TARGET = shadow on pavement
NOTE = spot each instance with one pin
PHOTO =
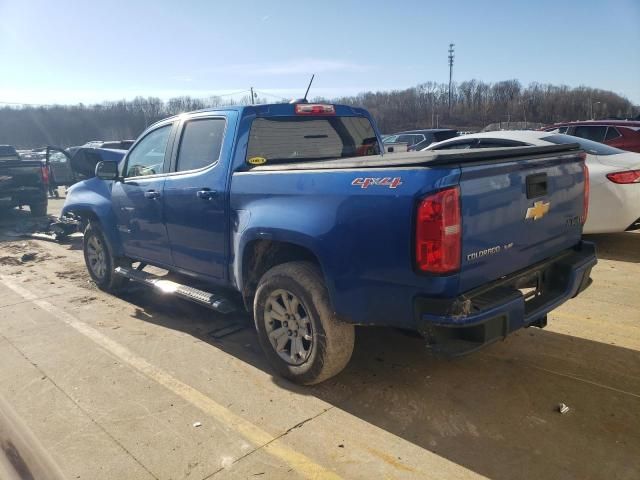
(494, 412)
(623, 247)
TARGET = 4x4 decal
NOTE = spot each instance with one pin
(377, 182)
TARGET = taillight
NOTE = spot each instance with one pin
(438, 232)
(314, 109)
(44, 172)
(585, 204)
(630, 176)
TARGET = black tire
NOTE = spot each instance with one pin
(38, 209)
(332, 341)
(107, 280)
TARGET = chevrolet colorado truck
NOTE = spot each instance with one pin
(23, 182)
(291, 212)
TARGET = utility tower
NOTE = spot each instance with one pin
(451, 57)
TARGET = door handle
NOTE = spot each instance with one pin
(206, 194)
(151, 194)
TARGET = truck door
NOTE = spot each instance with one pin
(59, 164)
(196, 203)
(137, 199)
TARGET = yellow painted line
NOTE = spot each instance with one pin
(252, 433)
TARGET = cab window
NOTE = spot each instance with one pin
(147, 157)
(591, 132)
(200, 144)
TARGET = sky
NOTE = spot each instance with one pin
(69, 52)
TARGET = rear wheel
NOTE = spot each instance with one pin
(98, 256)
(38, 209)
(297, 328)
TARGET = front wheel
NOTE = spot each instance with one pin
(297, 328)
(98, 256)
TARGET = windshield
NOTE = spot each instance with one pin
(589, 146)
(282, 139)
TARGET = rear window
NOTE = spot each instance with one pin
(589, 146)
(294, 139)
(7, 150)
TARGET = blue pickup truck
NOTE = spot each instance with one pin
(291, 212)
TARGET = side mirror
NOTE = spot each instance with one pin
(107, 170)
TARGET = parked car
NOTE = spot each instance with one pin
(614, 174)
(111, 144)
(22, 182)
(419, 139)
(623, 134)
(289, 211)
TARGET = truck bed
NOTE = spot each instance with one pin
(431, 158)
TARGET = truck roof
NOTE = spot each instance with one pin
(273, 109)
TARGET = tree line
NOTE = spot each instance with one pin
(474, 104)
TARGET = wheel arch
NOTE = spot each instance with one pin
(259, 255)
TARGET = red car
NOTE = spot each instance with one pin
(623, 134)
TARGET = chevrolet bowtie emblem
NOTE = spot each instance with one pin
(538, 210)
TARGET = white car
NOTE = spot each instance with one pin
(614, 174)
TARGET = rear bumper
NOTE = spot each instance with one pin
(455, 326)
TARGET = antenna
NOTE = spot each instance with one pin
(310, 82)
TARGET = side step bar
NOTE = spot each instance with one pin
(168, 287)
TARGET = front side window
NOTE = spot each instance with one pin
(200, 144)
(147, 158)
(295, 139)
(591, 132)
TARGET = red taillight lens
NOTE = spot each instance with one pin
(314, 109)
(587, 188)
(630, 176)
(438, 232)
(44, 171)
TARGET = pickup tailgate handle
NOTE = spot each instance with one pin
(151, 194)
(536, 185)
(206, 194)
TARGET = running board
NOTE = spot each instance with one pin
(168, 287)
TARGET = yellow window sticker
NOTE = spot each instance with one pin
(257, 160)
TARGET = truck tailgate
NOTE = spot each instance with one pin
(16, 174)
(516, 213)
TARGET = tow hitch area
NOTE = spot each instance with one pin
(213, 301)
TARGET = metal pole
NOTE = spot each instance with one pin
(251, 88)
(451, 57)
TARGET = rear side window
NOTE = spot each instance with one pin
(591, 132)
(594, 148)
(410, 139)
(440, 136)
(462, 145)
(295, 139)
(201, 143)
(612, 133)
